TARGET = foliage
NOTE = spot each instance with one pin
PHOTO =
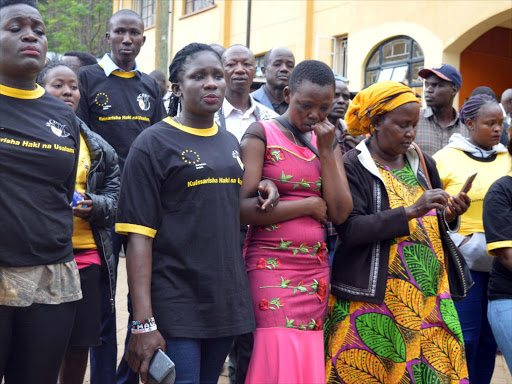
(76, 25)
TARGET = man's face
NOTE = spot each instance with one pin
(439, 92)
(507, 105)
(125, 38)
(341, 101)
(279, 68)
(239, 68)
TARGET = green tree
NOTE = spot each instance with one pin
(76, 25)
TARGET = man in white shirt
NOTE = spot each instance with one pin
(239, 109)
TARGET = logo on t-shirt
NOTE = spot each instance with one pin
(101, 100)
(143, 100)
(236, 156)
(191, 157)
(57, 128)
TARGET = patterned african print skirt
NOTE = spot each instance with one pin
(414, 336)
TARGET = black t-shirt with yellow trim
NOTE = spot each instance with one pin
(181, 186)
(39, 144)
(498, 233)
(118, 107)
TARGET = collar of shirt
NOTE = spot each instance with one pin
(429, 113)
(277, 105)
(228, 108)
(109, 66)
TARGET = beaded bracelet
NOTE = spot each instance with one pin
(143, 326)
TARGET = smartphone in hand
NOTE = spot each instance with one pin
(469, 182)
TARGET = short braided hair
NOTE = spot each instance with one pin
(177, 65)
(472, 106)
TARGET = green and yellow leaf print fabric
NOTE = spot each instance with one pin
(414, 336)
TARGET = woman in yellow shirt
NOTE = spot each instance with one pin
(483, 153)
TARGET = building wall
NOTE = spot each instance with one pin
(443, 28)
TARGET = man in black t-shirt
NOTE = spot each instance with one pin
(118, 102)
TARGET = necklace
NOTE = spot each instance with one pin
(293, 136)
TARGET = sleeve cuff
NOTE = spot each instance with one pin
(498, 244)
(125, 229)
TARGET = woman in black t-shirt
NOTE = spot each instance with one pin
(498, 232)
(39, 141)
(180, 207)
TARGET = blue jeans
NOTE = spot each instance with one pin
(198, 361)
(104, 357)
(499, 313)
(479, 341)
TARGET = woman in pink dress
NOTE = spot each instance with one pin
(285, 254)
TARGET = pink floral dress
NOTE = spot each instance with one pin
(288, 269)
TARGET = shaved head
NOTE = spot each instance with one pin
(276, 51)
(237, 48)
(124, 12)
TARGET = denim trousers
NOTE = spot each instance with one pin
(499, 313)
(198, 361)
(479, 341)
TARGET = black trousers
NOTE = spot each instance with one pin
(33, 341)
(241, 349)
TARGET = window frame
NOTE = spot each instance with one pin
(341, 45)
(186, 3)
(409, 62)
(140, 5)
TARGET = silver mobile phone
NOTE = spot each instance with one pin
(161, 369)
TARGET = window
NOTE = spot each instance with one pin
(146, 9)
(340, 56)
(260, 60)
(398, 59)
(196, 5)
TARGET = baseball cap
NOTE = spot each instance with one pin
(445, 72)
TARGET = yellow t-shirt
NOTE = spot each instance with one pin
(454, 167)
(82, 234)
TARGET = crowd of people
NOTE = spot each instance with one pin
(300, 229)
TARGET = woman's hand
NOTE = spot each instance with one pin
(431, 199)
(317, 208)
(268, 195)
(141, 349)
(457, 205)
(81, 212)
(324, 131)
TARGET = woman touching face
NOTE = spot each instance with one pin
(309, 104)
(486, 128)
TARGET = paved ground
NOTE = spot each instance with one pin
(501, 373)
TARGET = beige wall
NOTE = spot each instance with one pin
(443, 28)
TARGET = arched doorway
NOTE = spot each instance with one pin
(487, 61)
